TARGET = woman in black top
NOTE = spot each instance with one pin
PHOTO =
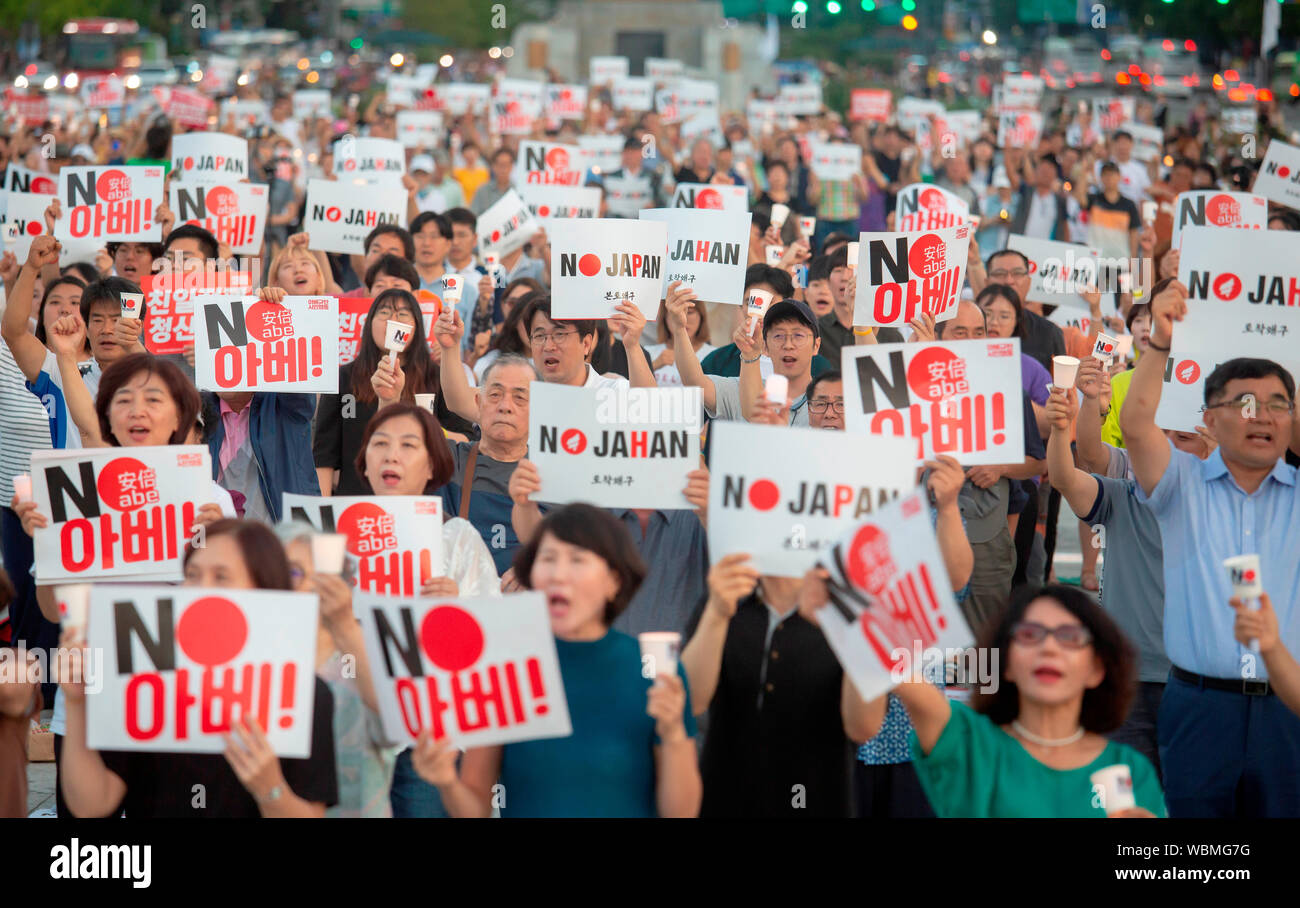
(341, 418)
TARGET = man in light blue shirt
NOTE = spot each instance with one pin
(1228, 745)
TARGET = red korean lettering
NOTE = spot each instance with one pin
(225, 694)
(140, 685)
(77, 536)
(479, 698)
(952, 425)
(144, 533)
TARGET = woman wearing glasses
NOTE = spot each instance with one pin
(1029, 747)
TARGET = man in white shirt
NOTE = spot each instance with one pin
(1134, 177)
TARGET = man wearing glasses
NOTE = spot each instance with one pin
(1042, 339)
(1229, 746)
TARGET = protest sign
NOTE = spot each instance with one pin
(633, 93)
(901, 275)
(717, 196)
(913, 112)
(418, 128)
(1070, 317)
(1147, 140)
(1021, 92)
(605, 153)
(964, 126)
(707, 250)
(1210, 335)
(21, 179)
(1240, 267)
(235, 213)
(1278, 178)
(550, 164)
(219, 72)
(566, 102)
(188, 108)
(29, 110)
(246, 112)
(377, 161)
(211, 157)
(24, 222)
(1019, 128)
(784, 495)
(170, 296)
(405, 91)
(1213, 208)
(182, 665)
(461, 98)
(961, 398)
(516, 104)
(311, 103)
(1239, 120)
(836, 160)
(922, 206)
(625, 197)
(506, 225)
(799, 99)
(626, 448)
(661, 70)
(117, 512)
(601, 262)
(871, 104)
(1058, 271)
(394, 541)
(109, 203)
(548, 203)
(103, 92)
(246, 344)
(705, 125)
(890, 598)
(339, 214)
(762, 115)
(479, 671)
(1108, 114)
(604, 70)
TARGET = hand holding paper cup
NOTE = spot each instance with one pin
(453, 285)
(1064, 369)
(659, 653)
(808, 226)
(131, 304)
(776, 389)
(755, 306)
(779, 214)
(1115, 784)
(73, 600)
(774, 254)
(853, 256)
(1106, 348)
(327, 552)
(398, 335)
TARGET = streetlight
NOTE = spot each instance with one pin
(990, 37)
(397, 60)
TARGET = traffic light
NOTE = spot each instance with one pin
(909, 23)
(868, 5)
(357, 43)
(909, 5)
(833, 7)
(799, 7)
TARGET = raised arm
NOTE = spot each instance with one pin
(67, 335)
(946, 480)
(1093, 382)
(688, 363)
(29, 353)
(456, 392)
(1078, 488)
(628, 325)
(90, 788)
(731, 579)
(1147, 446)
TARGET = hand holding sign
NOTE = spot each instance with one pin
(1169, 306)
(126, 334)
(1090, 377)
(628, 324)
(31, 519)
(254, 762)
(731, 579)
(438, 587)
(946, 480)
(525, 482)
(680, 299)
(435, 762)
(52, 214)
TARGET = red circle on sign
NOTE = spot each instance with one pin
(263, 323)
(451, 638)
(543, 211)
(120, 482)
(1187, 371)
(708, 198)
(332, 214)
(496, 236)
(43, 186)
(1284, 172)
(869, 546)
(350, 164)
(189, 163)
(222, 201)
(927, 370)
(589, 264)
(212, 631)
(933, 200)
(363, 523)
(763, 494)
(113, 186)
(928, 256)
(34, 228)
(557, 159)
(1223, 211)
(573, 441)
(1227, 286)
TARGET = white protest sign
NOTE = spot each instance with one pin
(784, 495)
(233, 212)
(836, 160)
(1278, 179)
(890, 598)
(802, 99)
(1147, 140)
(548, 203)
(612, 447)
(403, 91)
(871, 104)
(479, 672)
(566, 102)
(704, 125)
(1239, 120)
(716, 196)
(1070, 317)
(113, 203)
(117, 512)
(707, 251)
(961, 398)
(597, 264)
(24, 222)
(1024, 92)
(1109, 113)
(1019, 128)
(607, 69)
(378, 161)
(1210, 335)
(762, 115)
(311, 103)
(1058, 271)
(219, 74)
(507, 224)
(21, 179)
(212, 157)
(1224, 266)
(965, 126)
(245, 111)
(339, 214)
(246, 344)
(914, 112)
(103, 92)
(605, 152)
(901, 275)
(633, 93)
(625, 197)
(418, 128)
(193, 661)
(922, 206)
(550, 163)
(394, 541)
(1214, 208)
(661, 70)
(465, 97)
(516, 104)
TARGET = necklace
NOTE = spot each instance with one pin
(1045, 742)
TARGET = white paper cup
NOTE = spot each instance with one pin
(73, 601)
(1064, 369)
(1243, 574)
(774, 254)
(397, 336)
(491, 260)
(853, 256)
(755, 305)
(1116, 784)
(23, 487)
(453, 285)
(808, 226)
(426, 401)
(1106, 348)
(662, 648)
(131, 303)
(1125, 345)
(327, 552)
(776, 388)
(779, 215)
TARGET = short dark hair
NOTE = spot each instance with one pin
(503, 150)
(760, 219)
(827, 376)
(461, 216)
(820, 268)
(424, 217)
(155, 249)
(776, 278)
(182, 390)
(1289, 219)
(393, 266)
(156, 139)
(1008, 293)
(1105, 706)
(600, 533)
(1246, 367)
(68, 279)
(107, 290)
(1109, 167)
(1137, 311)
(835, 238)
(207, 242)
(988, 262)
(435, 444)
(264, 555)
(542, 303)
(408, 244)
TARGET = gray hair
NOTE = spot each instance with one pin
(509, 359)
(293, 530)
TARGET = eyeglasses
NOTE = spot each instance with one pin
(387, 312)
(1003, 274)
(818, 405)
(1247, 404)
(1070, 636)
(539, 338)
(798, 338)
(999, 317)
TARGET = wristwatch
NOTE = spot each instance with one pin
(273, 795)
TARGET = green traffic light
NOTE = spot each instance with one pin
(833, 7)
(868, 5)
(909, 5)
(356, 43)
(799, 6)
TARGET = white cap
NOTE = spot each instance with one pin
(84, 151)
(422, 162)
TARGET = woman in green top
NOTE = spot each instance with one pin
(1029, 747)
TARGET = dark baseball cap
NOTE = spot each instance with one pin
(785, 309)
